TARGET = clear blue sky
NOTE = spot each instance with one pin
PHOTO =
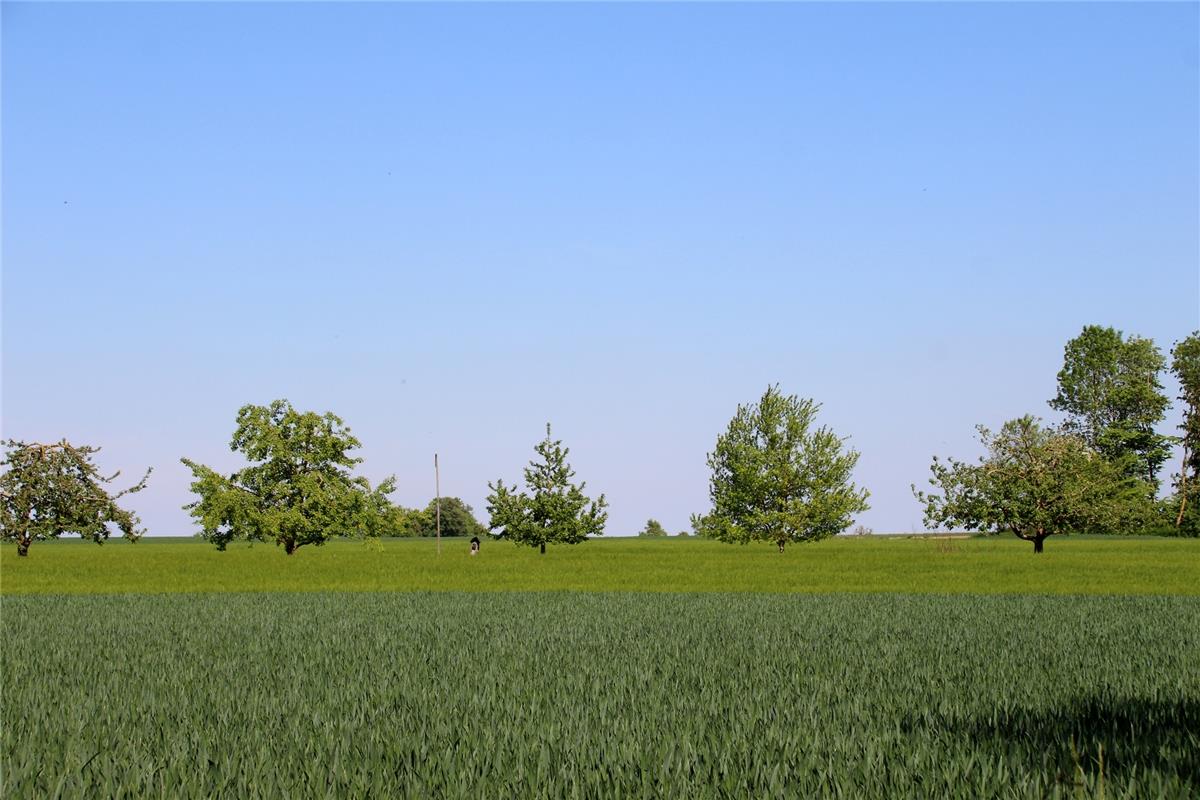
(451, 224)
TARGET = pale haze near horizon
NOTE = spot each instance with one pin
(452, 224)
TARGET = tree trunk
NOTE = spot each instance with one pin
(1037, 543)
(23, 546)
(543, 548)
(289, 546)
(781, 543)
(1182, 488)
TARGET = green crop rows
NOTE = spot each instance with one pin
(600, 695)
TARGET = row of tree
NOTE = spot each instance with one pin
(776, 475)
(299, 487)
(1099, 470)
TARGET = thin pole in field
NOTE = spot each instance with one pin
(437, 483)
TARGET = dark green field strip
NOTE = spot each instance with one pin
(1111, 565)
(600, 695)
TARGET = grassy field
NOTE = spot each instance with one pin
(860, 667)
(600, 695)
(1103, 565)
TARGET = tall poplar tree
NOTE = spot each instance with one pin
(1185, 363)
(1110, 392)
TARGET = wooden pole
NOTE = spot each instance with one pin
(437, 483)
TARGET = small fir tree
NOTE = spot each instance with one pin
(553, 510)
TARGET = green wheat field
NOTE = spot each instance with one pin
(872, 667)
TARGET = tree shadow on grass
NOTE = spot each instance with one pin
(1113, 741)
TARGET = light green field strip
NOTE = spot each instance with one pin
(1101, 565)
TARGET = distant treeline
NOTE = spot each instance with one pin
(775, 474)
(456, 517)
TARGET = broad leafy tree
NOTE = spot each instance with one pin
(1185, 363)
(776, 477)
(1034, 481)
(458, 519)
(653, 530)
(552, 510)
(1110, 392)
(298, 489)
(51, 489)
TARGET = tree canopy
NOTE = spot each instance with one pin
(778, 478)
(1110, 391)
(458, 519)
(1034, 481)
(653, 529)
(1185, 364)
(298, 489)
(553, 510)
(47, 490)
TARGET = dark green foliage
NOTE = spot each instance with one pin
(402, 522)
(51, 489)
(412, 522)
(615, 696)
(776, 478)
(458, 519)
(653, 529)
(1185, 363)
(1110, 391)
(397, 521)
(298, 488)
(1036, 482)
(553, 511)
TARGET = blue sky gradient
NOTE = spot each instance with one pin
(450, 224)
